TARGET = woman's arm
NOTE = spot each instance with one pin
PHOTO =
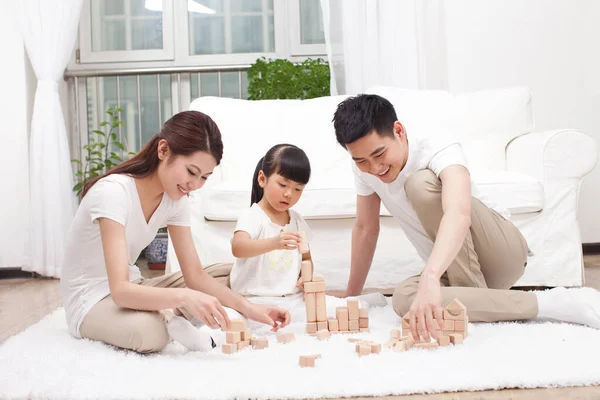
(243, 246)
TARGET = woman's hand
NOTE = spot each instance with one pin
(286, 241)
(273, 316)
(206, 308)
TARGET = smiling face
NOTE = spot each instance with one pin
(280, 193)
(381, 156)
(179, 175)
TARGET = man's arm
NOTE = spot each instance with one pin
(455, 223)
(364, 241)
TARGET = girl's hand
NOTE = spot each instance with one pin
(286, 241)
(274, 316)
(206, 308)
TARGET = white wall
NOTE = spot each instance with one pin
(18, 87)
(551, 46)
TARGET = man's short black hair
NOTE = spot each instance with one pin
(360, 115)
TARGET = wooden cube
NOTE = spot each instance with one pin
(354, 340)
(363, 313)
(425, 345)
(456, 338)
(306, 271)
(311, 327)
(323, 334)
(375, 348)
(443, 340)
(246, 335)
(405, 322)
(303, 245)
(243, 344)
(353, 325)
(321, 309)
(310, 301)
(314, 287)
(352, 309)
(260, 343)
(364, 350)
(321, 326)
(400, 346)
(229, 348)
(333, 325)
(342, 317)
(233, 337)
(285, 337)
(461, 325)
(455, 310)
(237, 325)
(364, 330)
(307, 361)
(395, 334)
(448, 325)
(391, 342)
(363, 322)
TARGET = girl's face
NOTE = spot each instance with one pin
(180, 175)
(279, 192)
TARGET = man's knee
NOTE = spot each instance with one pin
(422, 187)
(147, 332)
(404, 294)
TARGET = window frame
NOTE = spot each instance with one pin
(295, 35)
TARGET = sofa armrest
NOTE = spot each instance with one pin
(553, 155)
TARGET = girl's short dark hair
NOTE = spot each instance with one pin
(287, 160)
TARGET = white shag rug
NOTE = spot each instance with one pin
(45, 362)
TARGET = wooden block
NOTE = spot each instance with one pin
(424, 345)
(260, 343)
(333, 325)
(363, 322)
(400, 346)
(461, 325)
(306, 271)
(342, 317)
(353, 325)
(313, 287)
(363, 313)
(233, 337)
(443, 340)
(354, 340)
(391, 342)
(321, 326)
(364, 350)
(303, 245)
(448, 325)
(405, 324)
(285, 337)
(237, 325)
(375, 348)
(455, 310)
(364, 330)
(456, 338)
(311, 327)
(395, 334)
(310, 301)
(321, 309)
(246, 335)
(323, 334)
(318, 278)
(352, 308)
(307, 361)
(229, 348)
(243, 344)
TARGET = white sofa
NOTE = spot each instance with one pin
(535, 175)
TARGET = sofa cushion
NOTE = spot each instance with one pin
(516, 192)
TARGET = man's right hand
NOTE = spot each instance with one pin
(206, 308)
(337, 293)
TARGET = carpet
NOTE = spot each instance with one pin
(45, 362)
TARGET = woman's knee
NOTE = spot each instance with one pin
(147, 332)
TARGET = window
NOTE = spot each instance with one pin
(307, 36)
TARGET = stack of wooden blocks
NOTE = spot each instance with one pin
(456, 324)
(238, 337)
(348, 319)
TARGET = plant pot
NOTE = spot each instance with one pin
(156, 252)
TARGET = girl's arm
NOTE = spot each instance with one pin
(243, 246)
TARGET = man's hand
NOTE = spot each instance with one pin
(337, 293)
(425, 309)
(274, 316)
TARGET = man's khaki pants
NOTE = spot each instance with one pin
(492, 258)
(141, 331)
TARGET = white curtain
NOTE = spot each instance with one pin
(385, 42)
(49, 32)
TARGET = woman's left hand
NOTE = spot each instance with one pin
(270, 315)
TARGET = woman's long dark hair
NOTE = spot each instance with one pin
(286, 160)
(186, 133)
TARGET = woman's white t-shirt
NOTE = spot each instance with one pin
(274, 273)
(431, 153)
(84, 280)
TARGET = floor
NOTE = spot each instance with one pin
(25, 300)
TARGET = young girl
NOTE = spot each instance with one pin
(104, 295)
(267, 235)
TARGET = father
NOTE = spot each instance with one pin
(471, 250)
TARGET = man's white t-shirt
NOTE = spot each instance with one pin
(84, 280)
(274, 273)
(423, 153)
